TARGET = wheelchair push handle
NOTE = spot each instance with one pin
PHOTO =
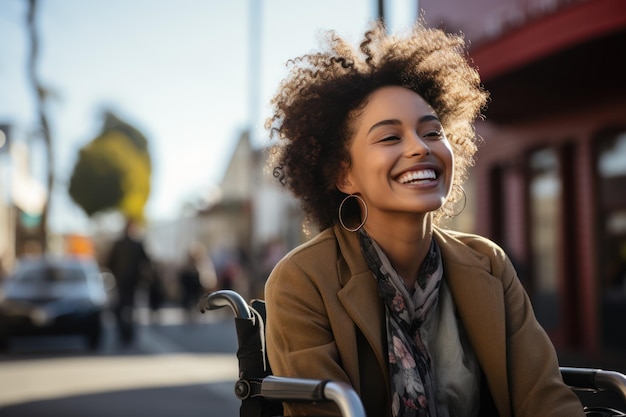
(346, 399)
(300, 389)
(595, 380)
(225, 298)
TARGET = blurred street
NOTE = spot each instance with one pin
(175, 367)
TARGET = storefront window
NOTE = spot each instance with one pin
(612, 236)
(545, 195)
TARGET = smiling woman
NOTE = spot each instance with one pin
(419, 320)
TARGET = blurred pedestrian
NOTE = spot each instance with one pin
(155, 292)
(196, 275)
(129, 263)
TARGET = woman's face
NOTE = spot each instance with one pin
(401, 161)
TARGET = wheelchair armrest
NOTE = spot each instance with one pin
(595, 380)
(313, 390)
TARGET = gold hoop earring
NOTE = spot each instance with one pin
(359, 199)
(464, 200)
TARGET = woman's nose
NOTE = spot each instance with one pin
(416, 146)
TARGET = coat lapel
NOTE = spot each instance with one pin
(359, 295)
(479, 300)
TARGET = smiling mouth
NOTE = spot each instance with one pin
(415, 177)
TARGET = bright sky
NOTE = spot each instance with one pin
(179, 70)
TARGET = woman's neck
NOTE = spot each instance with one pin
(405, 244)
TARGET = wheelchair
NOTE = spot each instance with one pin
(262, 393)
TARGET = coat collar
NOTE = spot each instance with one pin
(477, 294)
(479, 300)
(359, 294)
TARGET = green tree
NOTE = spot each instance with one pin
(113, 171)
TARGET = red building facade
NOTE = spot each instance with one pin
(549, 183)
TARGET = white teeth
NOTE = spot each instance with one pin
(425, 174)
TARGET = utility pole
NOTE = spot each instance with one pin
(254, 66)
(381, 11)
(44, 126)
(255, 45)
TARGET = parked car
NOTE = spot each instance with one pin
(53, 296)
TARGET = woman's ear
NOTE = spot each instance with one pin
(344, 183)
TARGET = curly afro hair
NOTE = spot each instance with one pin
(314, 107)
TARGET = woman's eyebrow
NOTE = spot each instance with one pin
(428, 118)
(387, 122)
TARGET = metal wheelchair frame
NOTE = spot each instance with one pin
(262, 393)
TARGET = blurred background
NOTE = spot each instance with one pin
(153, 111)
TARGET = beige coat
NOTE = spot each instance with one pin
(326, 321)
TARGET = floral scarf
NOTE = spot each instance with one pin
(413, 382)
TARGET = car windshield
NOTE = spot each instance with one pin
(52, 274)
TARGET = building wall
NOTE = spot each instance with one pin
(557, 86)
(483, 20)
(503, 213)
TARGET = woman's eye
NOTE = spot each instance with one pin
(434, 134)
(390, 138)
